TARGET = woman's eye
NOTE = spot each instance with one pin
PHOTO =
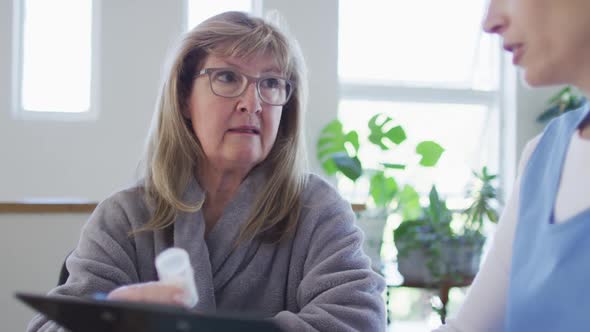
(271, 83)
(227, 76)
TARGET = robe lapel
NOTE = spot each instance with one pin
(213, 258)
(227, 261)
(189, 234)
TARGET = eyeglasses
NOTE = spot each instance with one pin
(230, 83)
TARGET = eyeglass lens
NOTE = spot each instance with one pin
(231, 83)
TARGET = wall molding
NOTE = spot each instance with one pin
(47, 207)
(73, 207)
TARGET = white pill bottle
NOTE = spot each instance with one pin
(174, 267)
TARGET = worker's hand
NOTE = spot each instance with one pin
(152, 292)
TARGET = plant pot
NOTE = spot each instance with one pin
(457, 260)
(372, 223)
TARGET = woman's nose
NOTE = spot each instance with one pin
(496, 19)
(250, 100)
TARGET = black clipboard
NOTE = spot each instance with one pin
(89, 315)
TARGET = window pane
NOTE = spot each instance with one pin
(200, 10)
(466, 132)
(56, 64)
(418, 42)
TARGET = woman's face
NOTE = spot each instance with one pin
(235, 133)
(549, 39)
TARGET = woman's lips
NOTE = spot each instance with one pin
(517, 51)
(247, 130)
(517, 55)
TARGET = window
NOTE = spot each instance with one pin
(54, 51)
(434, 72)
(200, 10)
(426, 64)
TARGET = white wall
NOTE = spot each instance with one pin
(32, 249)
(530, 103)
(93, 159)
(88, 159)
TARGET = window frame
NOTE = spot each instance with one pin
(397, 93)
(257, 9)
(18, 111)
(495, 100)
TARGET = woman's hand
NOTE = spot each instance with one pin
(153, 292)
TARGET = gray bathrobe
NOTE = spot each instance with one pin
(317, 280)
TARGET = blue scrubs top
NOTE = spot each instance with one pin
(550, 277)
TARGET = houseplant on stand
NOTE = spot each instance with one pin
(430, 251)
(338, 152)
(442, 248)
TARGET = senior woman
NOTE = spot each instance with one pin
(225, 181)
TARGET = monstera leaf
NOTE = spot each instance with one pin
(333, 154)
(338, 152)
(379, 136)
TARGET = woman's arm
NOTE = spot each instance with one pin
(103, 260)
(338, 291)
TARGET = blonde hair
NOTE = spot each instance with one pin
(173, 151)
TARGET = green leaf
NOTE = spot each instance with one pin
(408, 194)
(559, 95)
(393, 166)
(437, 210)
(333, 154)
(382, 189)
(549, 114)
(409, 203)
(492, 215)
(328, 151)
(379, 136)
(350, 167)
(434, 207)
(353, 138)
(430, 152)
(407, 231)
(483, 194)
(329, 167)
(396, 134)
(563, 101)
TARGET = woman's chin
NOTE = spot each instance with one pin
(242, 161)
(536, 78)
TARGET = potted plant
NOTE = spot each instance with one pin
(563, 101)
(338, 152)
(442, 246)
